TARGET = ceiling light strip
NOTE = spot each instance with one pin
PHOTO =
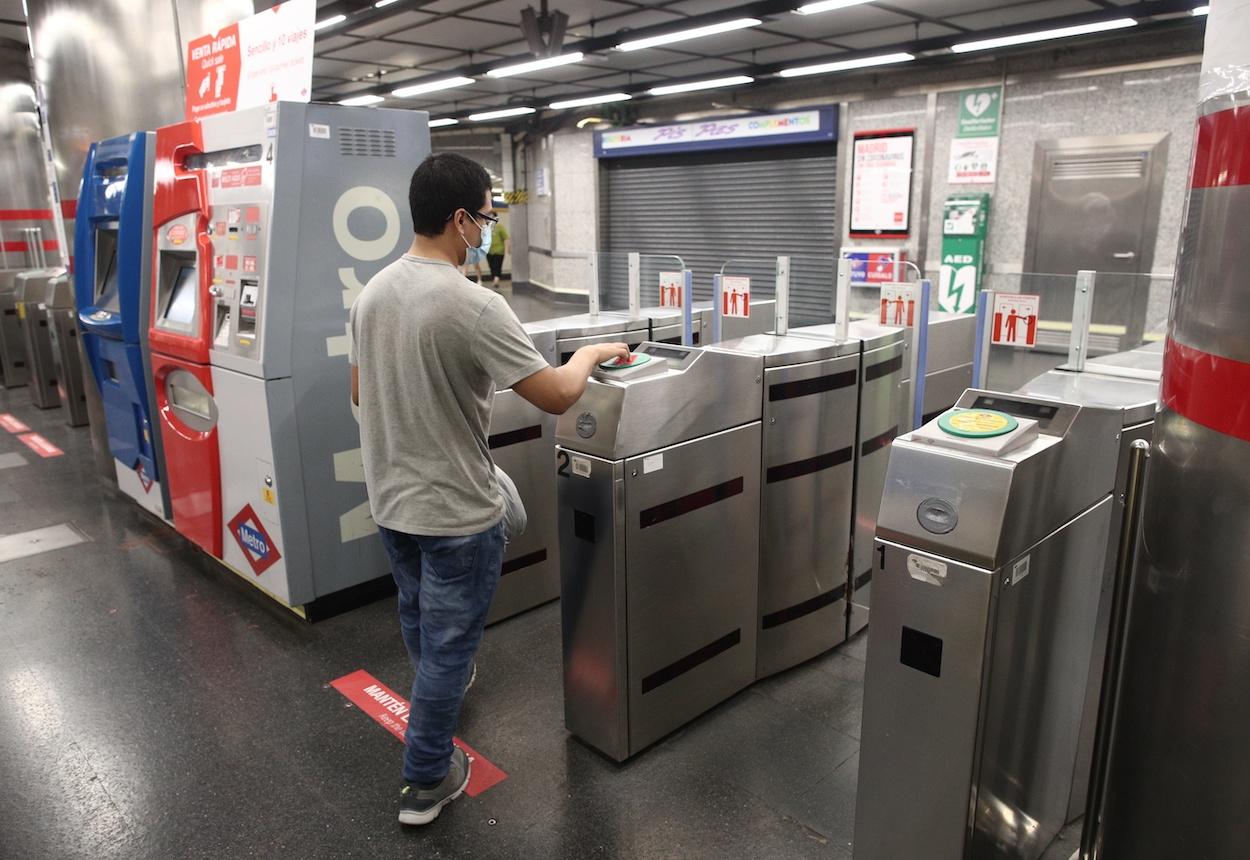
(828, 6)
(692, 33)
(846, 65)
(502, 113)
(431, 87)
(695, 86)
(590, 100)
(535, 65)
(1044, 35)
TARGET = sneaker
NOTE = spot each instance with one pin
(472, 677)
(422, 805)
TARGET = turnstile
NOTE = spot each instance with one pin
(521, 440)
(992, 546)
(13, 361)
(948, 368)
(574, 332)
(1127, 382)
(62, 320)
(658, 471)
(810, 405)
(882, 414)
(667, 325)
(32, 287)
(763, 320)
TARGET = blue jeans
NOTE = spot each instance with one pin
(445, 588)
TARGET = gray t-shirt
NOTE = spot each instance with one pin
(432, 347)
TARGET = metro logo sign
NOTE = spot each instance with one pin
(257, 546)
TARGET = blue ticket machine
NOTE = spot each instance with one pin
(112, 273)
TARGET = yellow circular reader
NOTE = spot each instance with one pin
(977, 423)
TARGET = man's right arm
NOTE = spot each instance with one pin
(555, 390)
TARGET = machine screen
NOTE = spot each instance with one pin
(1038, 411)
(181, 307)
(106, 269)
(665, 352)
(224, 157)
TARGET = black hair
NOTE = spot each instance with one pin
(443, 183)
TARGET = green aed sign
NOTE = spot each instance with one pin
(965, 218)
(979, 112)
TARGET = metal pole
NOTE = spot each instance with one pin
(985, 331)
(842, 299)
(1121, 590)
(919, 353)
(782, 294)
(635, 284)
(1082, 313)
(717, 320)
(4, 253)
(592, 288)
(687, 303)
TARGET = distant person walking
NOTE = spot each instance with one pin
(500, 244)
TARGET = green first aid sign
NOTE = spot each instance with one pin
(964, 227)
(979, 112)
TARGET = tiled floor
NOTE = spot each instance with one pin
(154, 705)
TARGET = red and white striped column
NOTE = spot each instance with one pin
(1178, 782)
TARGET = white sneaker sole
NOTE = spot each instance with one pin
(418, 818)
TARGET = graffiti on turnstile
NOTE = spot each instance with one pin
(390, 711)
(348, 465)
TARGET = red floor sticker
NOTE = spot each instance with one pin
(8, 422)
(40, 445)
(391, 712)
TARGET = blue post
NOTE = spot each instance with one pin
(981, 352)
(687, 312)
(716, 308)
(920, 341)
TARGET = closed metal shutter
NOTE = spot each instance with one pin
(707, 208)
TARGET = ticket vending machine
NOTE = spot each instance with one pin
(112, 277)
(268, 222)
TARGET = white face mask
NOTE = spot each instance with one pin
(484, 244)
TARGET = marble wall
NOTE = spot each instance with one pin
(563, 225)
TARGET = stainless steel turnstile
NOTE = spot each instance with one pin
(32, 287)
(882, 411)
(658, 480)
(62, 320)
(667, 325)
(810, 405)
(521, 440)
(948, 368)
(1126, 382)
(12, 344)
(763, 320)
(574, 332)
(992, 546)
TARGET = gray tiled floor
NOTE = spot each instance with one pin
(154, 705)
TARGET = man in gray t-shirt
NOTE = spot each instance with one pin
(429, 350)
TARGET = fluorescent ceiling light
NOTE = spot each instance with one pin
(692, 33)
(590, 100)
(700, 85)
(1200, 10)
(445, 121)
(846, 65)
(431, 87)
(536, 65)
(1044, 35)
(827, 6)
(361, 101)
(500, 114)
(382, 3)
(330, 22)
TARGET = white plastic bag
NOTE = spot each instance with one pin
(514, 517)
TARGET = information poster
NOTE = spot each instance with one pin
(735, 297)
(898, 304)
(265, 58)
(881, 175)
(1015, 320)
(672, 285)
(974, 161)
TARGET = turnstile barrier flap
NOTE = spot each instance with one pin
(59, 293)
(694, 393)
(985, 508)
(32, 284)
(784, 350)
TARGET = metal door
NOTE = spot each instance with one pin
(1095, 205)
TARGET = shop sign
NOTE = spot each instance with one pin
(873, 268)
(803, 126)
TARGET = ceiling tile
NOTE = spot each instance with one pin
(457, 32)
(947, 8)
(612, 82)
(1011, 15)
(829, 25)
(623, 61)
(326, 44)
(895, 35)
(391, 24)
(791, 53)
(701, 68)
